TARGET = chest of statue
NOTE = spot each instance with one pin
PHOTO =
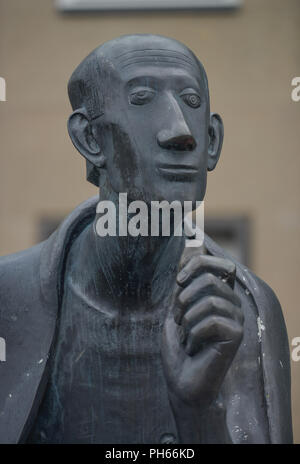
(107, 383)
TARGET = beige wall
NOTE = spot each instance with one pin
(250, 56)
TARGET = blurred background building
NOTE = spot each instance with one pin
(251, 55)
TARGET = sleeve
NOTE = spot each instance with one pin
(276, 366)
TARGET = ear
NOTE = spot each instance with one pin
(82, 136)
(216, 133)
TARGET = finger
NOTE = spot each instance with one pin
(177, 310)
(203, 286)
(213, 329)
(211, 306)
(189, 252)
(198, 264)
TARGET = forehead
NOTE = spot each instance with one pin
(148, 54)
(164, 64)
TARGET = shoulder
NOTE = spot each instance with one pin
(35, 269)
(19, 275)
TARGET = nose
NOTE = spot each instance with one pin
(176, 142)
(177, 136)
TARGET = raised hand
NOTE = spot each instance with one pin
(203, 329)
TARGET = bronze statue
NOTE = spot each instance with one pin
(139, 339)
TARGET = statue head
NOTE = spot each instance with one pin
(141, 118)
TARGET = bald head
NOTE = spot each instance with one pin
(90, 80)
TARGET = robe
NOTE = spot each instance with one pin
(31, 285)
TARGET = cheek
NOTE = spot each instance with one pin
(121, 157)
(201, 183)
(198, 122)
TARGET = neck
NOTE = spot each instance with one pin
(132, 272)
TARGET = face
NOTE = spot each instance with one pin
(154, 131)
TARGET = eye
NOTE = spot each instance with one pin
(141, 96)
(191, 98)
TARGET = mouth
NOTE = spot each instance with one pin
(177, 171)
